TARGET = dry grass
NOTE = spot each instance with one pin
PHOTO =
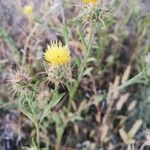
(104, 104)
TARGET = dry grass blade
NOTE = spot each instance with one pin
(123, 99)
(126, 74)
(136, 126)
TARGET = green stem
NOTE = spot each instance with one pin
(30, 105)
(139, 78)
(35, 122)
(81, 69)
(59, 138)
(37, 135)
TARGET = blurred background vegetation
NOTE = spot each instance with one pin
(106, 104)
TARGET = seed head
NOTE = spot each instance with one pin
(18, 81)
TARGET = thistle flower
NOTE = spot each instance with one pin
(59, 59)
(18, 81)
(28, 9)
(56, 54)
(90, 1)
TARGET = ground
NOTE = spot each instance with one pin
(96, 100)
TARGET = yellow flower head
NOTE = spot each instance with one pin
(27, 10)
(90, 1)
(56, 54)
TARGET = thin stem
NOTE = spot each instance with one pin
(81, 69)
(35, 122)
(30, 105)
(59, 137)
(37, 135)
(139, 78)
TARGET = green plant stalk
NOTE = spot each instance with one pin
(37, 134)
(81, 69)
(135, 80)
(30, 105)
(35, 122)
(59, 137)
(48, 108)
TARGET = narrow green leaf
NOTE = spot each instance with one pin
(88, 71)
(55, 100)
